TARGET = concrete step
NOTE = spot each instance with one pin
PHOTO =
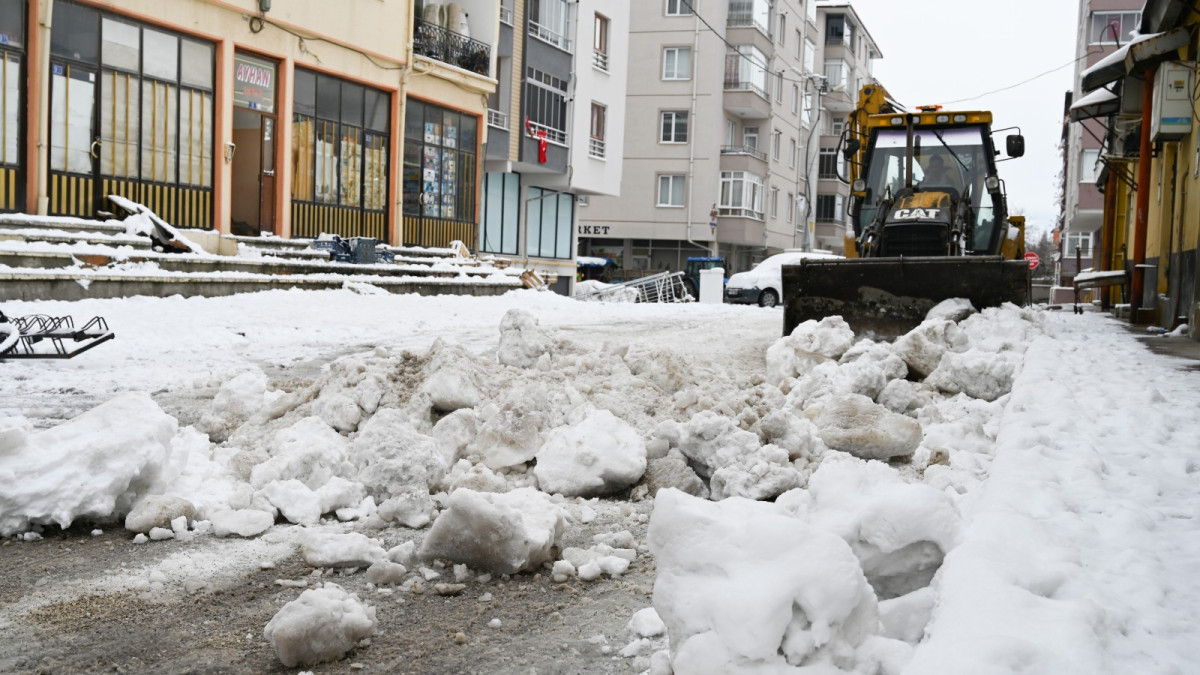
(59, 237)
(71, 285)
(22, 222)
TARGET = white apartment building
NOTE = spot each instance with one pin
(723, 130)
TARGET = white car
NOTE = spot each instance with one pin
(764, 283)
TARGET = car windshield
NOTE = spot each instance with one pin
(962, 154)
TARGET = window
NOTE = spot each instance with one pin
(501, 213)
(829, 208)
(546, 104)
(599, 122)
(548, 22)
(1113, 27)
(439, 160)
(755, 13)
(774, 202)
(789, 207)
(674, 126)
(806, 113)
(779, 87)
(745, 69)
(730, 129)
(670, 190)
(810, 55)
(741, 194)
(798, 44)
(549, 220)
(782, 28)
(1080, 240)
(677, 63)
(793, 154)
(837, 73)
(1089, 167)
(750, 138)
(795, 98)
(600, 27)
(837, 124)
(679, 7)
(776, 141)
(827, 166)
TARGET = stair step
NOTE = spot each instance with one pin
(18, 221)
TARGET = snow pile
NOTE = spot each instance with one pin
(92, 467)
(321, 625)
(743, 586)
(498, 533)
(598, 455)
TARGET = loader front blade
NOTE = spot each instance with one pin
(887, 297)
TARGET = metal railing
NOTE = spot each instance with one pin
(449, 47)
(600, 60)
(662, 287)
(596, 148)
(552, 135)
(743, 150)
(497, 119)
(553, 37)
(739, 212)
(506, 15)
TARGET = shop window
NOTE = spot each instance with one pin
(439, 162)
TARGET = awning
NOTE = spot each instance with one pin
(1143, 52)
(1099, 103)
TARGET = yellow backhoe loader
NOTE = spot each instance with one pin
(930, 221)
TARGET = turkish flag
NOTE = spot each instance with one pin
(542, 146)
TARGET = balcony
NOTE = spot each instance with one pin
(600, 60)
(596, 148)
(497, 119)
(547, 34)
(743, 150)
(745, 95)
(443, 45)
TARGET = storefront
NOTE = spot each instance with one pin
(441, 150)
(131, 113)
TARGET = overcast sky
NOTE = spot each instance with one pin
(939, 51)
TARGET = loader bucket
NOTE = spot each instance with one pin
(887, 297)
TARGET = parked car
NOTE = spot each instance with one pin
(764, 283)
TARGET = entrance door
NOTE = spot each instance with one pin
(266, 191)
(74, 144)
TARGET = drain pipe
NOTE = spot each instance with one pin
(43, 124)
(691, 196)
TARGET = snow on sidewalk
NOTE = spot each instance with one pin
(1082, 546)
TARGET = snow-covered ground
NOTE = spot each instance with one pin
(1006, 492)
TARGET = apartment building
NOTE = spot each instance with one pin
(725, 120)
(555, 127)
(1091, 151)
(245, 117)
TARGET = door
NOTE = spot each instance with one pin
(74, 144)
(266, 190)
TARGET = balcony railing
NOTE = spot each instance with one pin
(739, 212)
(506, 15)
(449, 47)
(600, 60)
(497, 119)
(596, 148)
(552, 135)
(553, 37)
(743, 150)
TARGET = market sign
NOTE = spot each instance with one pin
(253, 83)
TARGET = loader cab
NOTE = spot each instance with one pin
(967, 158)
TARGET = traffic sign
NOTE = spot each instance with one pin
(1033, 260)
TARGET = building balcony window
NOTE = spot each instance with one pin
(600, 60)
(497, 119)
(506, 15)
(596, 148)
(744, 150)
(451, 48)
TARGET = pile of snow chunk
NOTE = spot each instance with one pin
(319, 626)
(92, 467)
(498, 533)
(596, 456)
(744, 586)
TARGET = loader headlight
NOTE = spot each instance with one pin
(942, 119)
(960, 118)
(897, 121)
(859, 186)
(992, 183)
